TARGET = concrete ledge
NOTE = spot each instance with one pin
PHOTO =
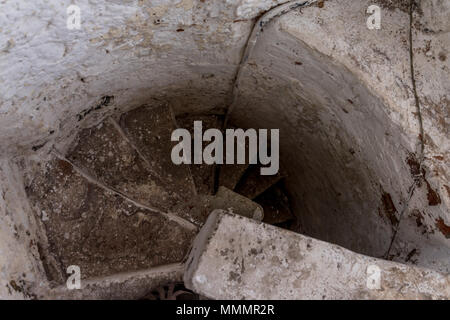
(234, 257)
(128, 286)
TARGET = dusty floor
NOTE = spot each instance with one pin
(109, 205)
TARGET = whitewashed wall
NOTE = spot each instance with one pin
(54, 81)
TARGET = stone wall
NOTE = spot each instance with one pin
(364, 132)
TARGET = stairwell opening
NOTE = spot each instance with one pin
(349, 169)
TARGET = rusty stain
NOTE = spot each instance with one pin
(414, 165)
(419, 217)
(14, 285)
(445, 229)
(420, 137)
(65, 167)
(433, 197)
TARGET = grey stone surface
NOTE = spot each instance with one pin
(347, 113)
(107, 156)
(230, 174)
(150, 128)
(423, 237)
(135, 51)
(123, 286)
(201, 206)
(252, 184)
(233, 202)
(276, 206)
(21, 269)
(341, 95)
(98, 230)
(238, 258)
(203, 174)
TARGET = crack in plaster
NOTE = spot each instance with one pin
(421, 152)
(171, 216)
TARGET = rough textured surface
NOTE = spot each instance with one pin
(346, 110)
(128, 286)
(230, 174)
(252, 184)
(203, 174)
(341, 95)
(150, 129)
(182, 51)
(423, 236)
(276, 206)
(231, 201)
(107, 156)
(238, 258)
(339, 147)
(97, 230)
(424, 233)
(20, 262)
(201, 206)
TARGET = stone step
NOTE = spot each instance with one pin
(230, 174)
(98, 230)
(150, 128)
(106, 155)
(123, 286)
(202, 174)
(234, 257)
(200, 207)
(252, 183)
(231, 201)
(275, 205)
